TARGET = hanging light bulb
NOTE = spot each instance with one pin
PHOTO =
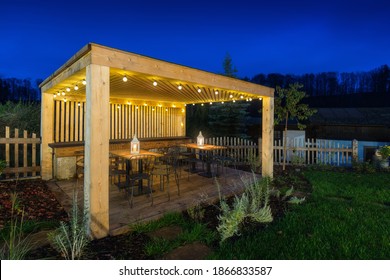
(234, 101)
(199, 90)
(124, 78)
(76, 87)
(67, 89)
(63, 92)
(78, 104)
(231, 96)
(55, 95)
(211, 103)
(180, 87)
(216, 92)
(84, 82)
(155, 83)
(241, 97)
(65, 100)
(223, 102)
(260, 98)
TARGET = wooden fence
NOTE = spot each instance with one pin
(125, 121)
(242, 150)
(312, 151)
(22, 154)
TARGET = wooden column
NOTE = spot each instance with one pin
(96, 181)
(267, 155)
(47, 134)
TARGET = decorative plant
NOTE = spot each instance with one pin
(252, 205)
(16, 243)
(71, 239)
(384, 151)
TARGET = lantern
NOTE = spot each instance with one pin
(135, 146)
(200, 139)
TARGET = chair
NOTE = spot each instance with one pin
(167, 165)
(139, 168)
(117, 168)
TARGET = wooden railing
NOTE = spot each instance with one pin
(242, 150)
(21, 154)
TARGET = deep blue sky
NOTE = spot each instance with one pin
(296, 37)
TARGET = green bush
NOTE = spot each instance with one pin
(3, 164)
(252, 205)
(21, 115)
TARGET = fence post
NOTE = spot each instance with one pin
(259, 145)
(355, 157)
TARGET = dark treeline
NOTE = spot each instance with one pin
(13, 89)
(352, 89)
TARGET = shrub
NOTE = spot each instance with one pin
(252, 205)
(3, 164)
(70, 239)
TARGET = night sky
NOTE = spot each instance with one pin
(294, 37)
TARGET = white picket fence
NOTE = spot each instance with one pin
(311, 151)
(304, 152)
(242, 150)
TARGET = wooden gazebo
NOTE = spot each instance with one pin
(103, 94)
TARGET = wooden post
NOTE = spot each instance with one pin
(47, 134)
(355, 156)
(268, 137)
(96, 181)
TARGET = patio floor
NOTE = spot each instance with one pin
(193, 189)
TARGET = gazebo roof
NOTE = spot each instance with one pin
(141, 72)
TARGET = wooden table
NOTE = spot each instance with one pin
(208, 149)
(125, 154)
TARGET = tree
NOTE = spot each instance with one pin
(229, 118)
(288, 107)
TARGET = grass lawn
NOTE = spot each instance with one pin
(346, 217)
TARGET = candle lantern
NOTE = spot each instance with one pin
(200, 139)
(135, 146)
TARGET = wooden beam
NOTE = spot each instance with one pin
(47, 134)
(267, 155)
(127, 61)
(66, 71)
(96, 181)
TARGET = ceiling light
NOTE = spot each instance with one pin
(234, 101)
(67, 89)
(231, 96)
(223, 102)
(76, 87)
(65, 100)
(63, 92)
(78, 104)
(180, 87)
(216, 92)
(199, 90)
(193, 104)
(202, 104)
(211, 103)
(260, 98)
(241, 97)
(155, 83)
(84, 82)
(124, 78)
